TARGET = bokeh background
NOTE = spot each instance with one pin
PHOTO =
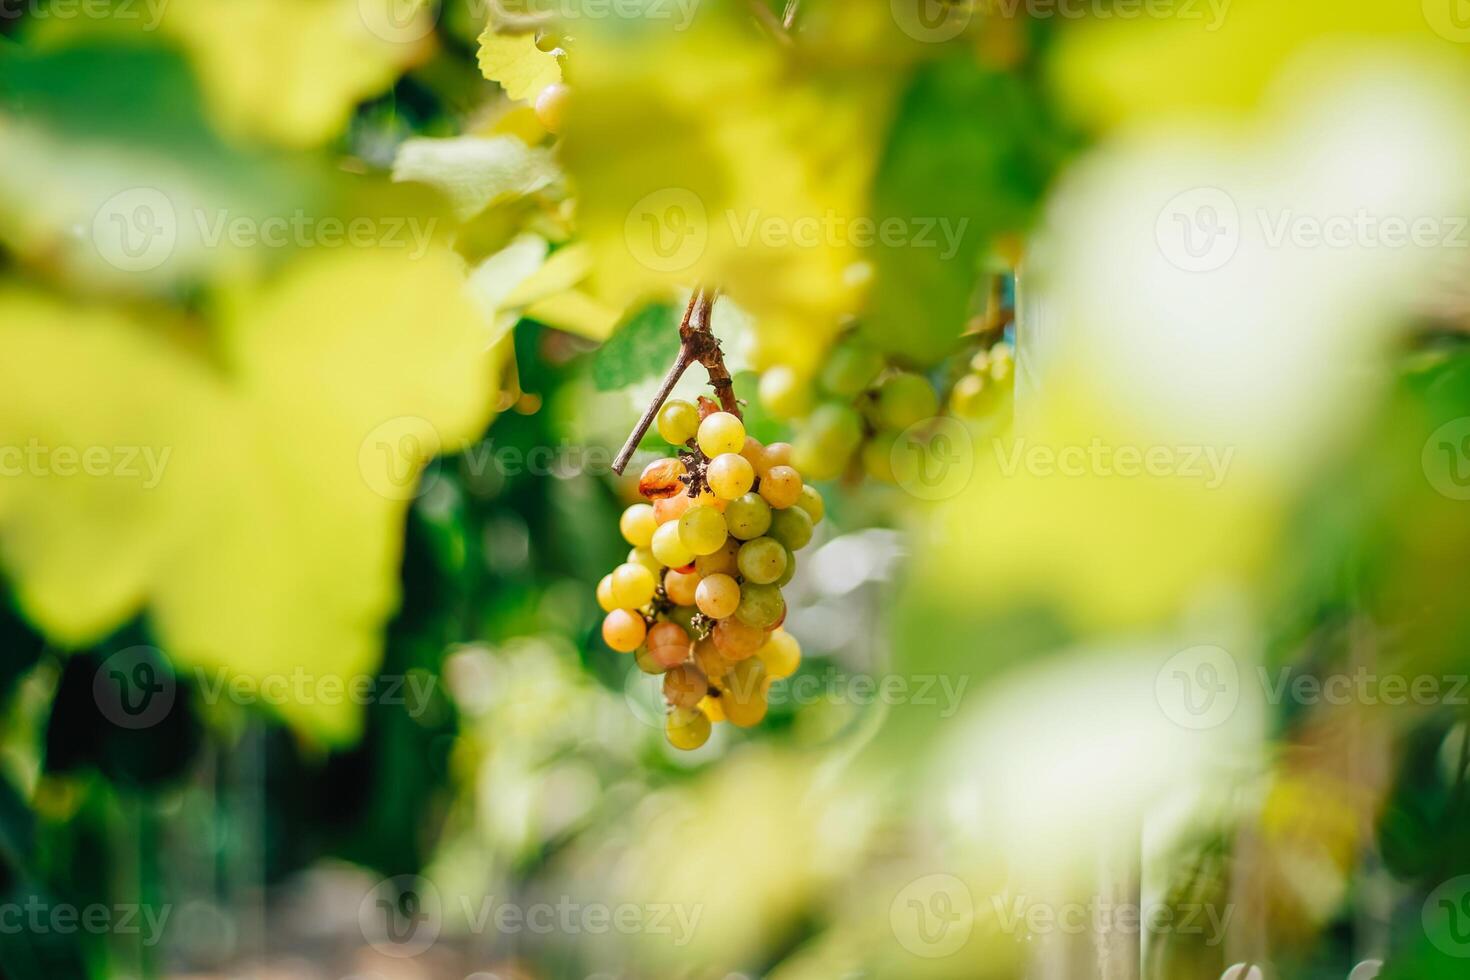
(317, 347)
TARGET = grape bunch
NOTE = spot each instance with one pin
(699, 599)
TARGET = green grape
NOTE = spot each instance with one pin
(850, 368)
(678, 421)
(722, 562)
(762, 561)
(811, 501)
(904, 399)
(748, 516)
(827, 441)
(721, 433)
(702, 530)
(784, 394)
(790, 572)
(760, 606)
(687, 728)
(684, 616)
(878, 456)
(669, 547)
(792, 527)
(633, 586)
(730, 475)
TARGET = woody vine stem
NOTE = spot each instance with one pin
(697, 342)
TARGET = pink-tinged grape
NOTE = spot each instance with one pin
(784, 393)
(669, 547)
(633, 586)
(551, 107)
(778, 454)
(680, 586)
(703, 531)
(748, 516)
(678, 421)
(730, 475)
(810, 500)
(711, 709)
(781, 654)
(637, 525)
(687, 728)
(755, 454)
(781, 486)
(668, 644)
(717, 596)
(736, 640)
(644, 557)
(792, 527)
(905, 398)
(663, 478)
(743, 698)
(623, 630)
(721, 433)
(722, 562)
(762, 561)
(760, 606)
(878, 457)
(849, 369)
(605, 594)
(708, 658)
(790, 572)
(685, 686)
(644, 659)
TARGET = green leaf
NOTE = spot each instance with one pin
(475, 172)
(642, 347)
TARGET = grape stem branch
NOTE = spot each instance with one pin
(697, 343)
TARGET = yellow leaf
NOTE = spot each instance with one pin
(514, 61)
(252, 501)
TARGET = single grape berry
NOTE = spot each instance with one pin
(762, 561)
(551, 106)
(722, 562)
(633, 586)
(792, 527)
(781, 486)
(669, 547)
(748, 516)
(737, 640)
(850, 368)
(702, 530)
(781, 654)
(778, 454)
(810, 500)
(644, 557)
(730, 475)
(721, 433)
(827, 441)
(904, 399)
(678, 421)
(663, 478)
(790, 572)
(760, 606)
(717, 596)
(680, 586)
(668, 644)
(743, 699)
(687, 728)
(623, 630)
(685, 686)
(605, 594)
(637, 525)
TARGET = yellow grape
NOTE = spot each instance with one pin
(633, 586)
(708, 658)
(737, 641)
(680, 586)
(669, 548)
(710, 708)
(551, 106)
(685, 686)
(605, 594)
(778, 454)
(638, 525)
(722, 562)
(743, 698)
(644, 557)
(781, 487)
(668, 644)
(781, 654)
(703, 531)
(730, 476)
(721, 433)
(755, 454)
(687, 728)
(623, 630)
(717, 596)
(678, 421)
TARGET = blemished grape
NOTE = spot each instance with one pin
(680, 586)
(760, 606)
(551, 106)
(904, 399)
(784, 393)
(687, 728)
(792, 527)
(605, 594)
(737, 640)
(668, 644)
(633, 586)
(623, 630)
(730, 475)
(717, 596)
(850, 368)
(703, 531)
(762, 561)
(637, 525)
(748, 516)
(644, 557)
(678, 421)
(685, 686)
(721, 433)
(781, 486)
(708, 658)
(669, 547)
(646, 663)
(722, 562)
(663, 478)
(811, 501)
(781, 654)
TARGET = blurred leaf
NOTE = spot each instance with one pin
(643, 347)
(514, 61)
(475, 172)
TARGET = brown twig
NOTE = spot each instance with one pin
(697, 342)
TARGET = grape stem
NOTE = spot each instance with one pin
(697, 342)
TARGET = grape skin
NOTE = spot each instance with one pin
(605, 594)
(669, 547)
(737, 641)
(702, 530)
(718, 596)
(633, 586)
(792, 527)
(687, 728)
(680, 586)
(781, 654)
(722, 562)
(638, 524)
(762, 560)
(678, 421)
(781, 487)
(748, 516)
(685, 685)
(721, 433)
(730, 476)
(624, 631)
(668, 644)
(761, 606)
